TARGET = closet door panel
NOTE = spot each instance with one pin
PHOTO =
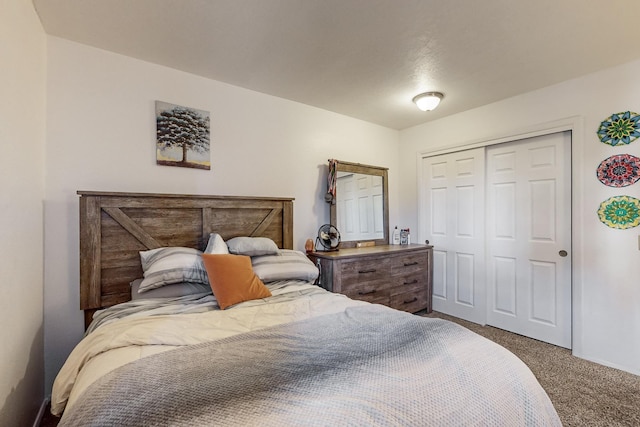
(452, 197)
(528, 215)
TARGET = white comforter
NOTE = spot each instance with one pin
(155, 327)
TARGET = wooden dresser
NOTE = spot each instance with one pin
(399, 276)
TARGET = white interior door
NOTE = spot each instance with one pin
(529, 237)
(453, 221)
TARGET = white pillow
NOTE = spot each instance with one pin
(166, 266)
(252, 246)
(216, 245)
(285, 265)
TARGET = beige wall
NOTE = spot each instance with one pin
(101, 136)
(606, 290)
(22, 134)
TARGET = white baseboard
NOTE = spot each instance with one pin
(630, 369)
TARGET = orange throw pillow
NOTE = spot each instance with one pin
(232, 279)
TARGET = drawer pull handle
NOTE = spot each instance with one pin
(409, 264)
(373, 270)
(367, 293)
(411, 282)
(411, 300)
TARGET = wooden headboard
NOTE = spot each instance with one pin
(115, 227)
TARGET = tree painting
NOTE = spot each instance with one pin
(182, 136)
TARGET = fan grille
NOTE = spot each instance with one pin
(328, 237)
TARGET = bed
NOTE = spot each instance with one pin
(185, 352)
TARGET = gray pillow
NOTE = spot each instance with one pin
(169, 291)
(252, 246)
(166, 266)
(285, 265)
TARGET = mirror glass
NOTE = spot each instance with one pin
(360, 209)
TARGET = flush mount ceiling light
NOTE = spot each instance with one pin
(428, 101)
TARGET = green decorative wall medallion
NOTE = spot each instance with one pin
(620, 212)
(620, 128)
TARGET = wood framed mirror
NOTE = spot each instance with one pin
(360, 210)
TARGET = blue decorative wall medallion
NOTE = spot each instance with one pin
(621, 128)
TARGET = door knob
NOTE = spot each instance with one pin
(562, 253)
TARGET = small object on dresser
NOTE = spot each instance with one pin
(308, 245)
(395, 237)
(328, 238)
(365, 244)
(404, 236)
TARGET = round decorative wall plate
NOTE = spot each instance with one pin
(620, 212)
(620, 170)
(620, 128)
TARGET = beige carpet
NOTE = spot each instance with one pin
(584, 393)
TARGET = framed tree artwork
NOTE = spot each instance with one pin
(182, 136)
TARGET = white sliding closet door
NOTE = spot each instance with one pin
(499, 218)
(529, 237)
(453, 221)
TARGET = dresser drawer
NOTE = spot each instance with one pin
(408, 263)
(360, 271)
(368, 292)
(410, 301)
(410, 283)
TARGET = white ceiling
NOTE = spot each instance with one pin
(363, 58)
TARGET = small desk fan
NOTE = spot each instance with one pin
(328, 238)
